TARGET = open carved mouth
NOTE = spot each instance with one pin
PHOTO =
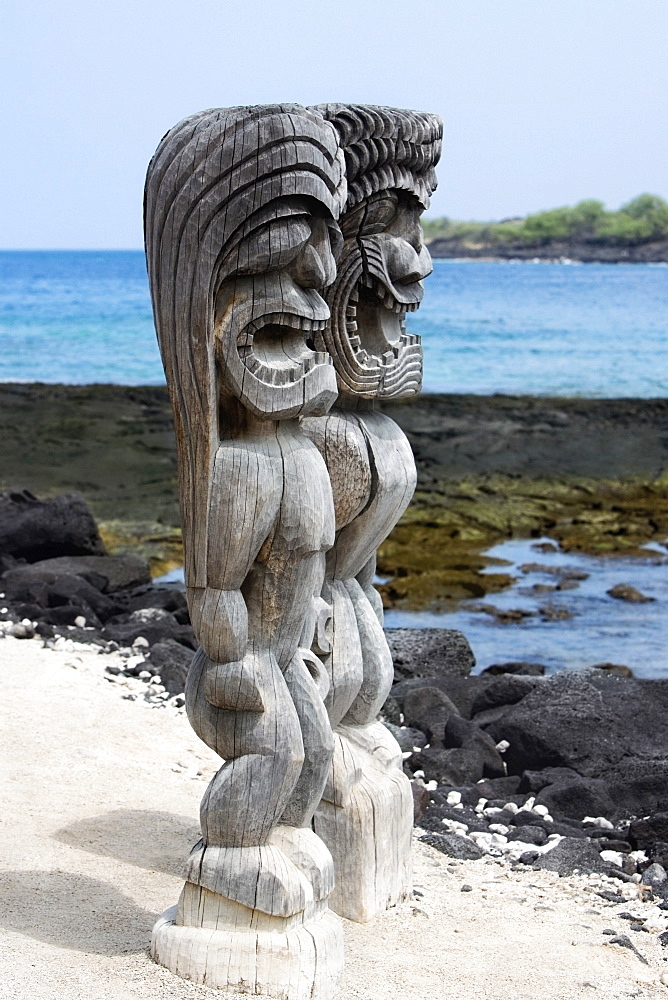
(278, 348)
(380, 317)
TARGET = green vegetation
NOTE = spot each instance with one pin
(641, 220)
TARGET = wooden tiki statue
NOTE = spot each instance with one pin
(366, 814)
(241, 223)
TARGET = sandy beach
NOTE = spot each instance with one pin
(100, 808)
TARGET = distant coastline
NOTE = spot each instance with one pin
(458, 248)
(587, 232)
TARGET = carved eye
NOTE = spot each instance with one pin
(273, 246)
(380, 214)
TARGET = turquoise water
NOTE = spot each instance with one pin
(543, 329)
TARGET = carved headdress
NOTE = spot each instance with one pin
(387, 148)
(390, 158)
(217, 183)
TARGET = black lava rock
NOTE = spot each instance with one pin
(516, 667)
(529, 835)
(73, 589)
(154, 632)
(406, 737)
(158, 597)
(67, 614)
(427, 709)
(462, 691)
(108, 574)
(577, 797)
(453, 845)
(434, 814)
(429, 652)
(571, 854)
(553, 726)
(528, 857)
(420, 801)
(507, 690)
(534, 781)
(645, 833)
(391, 711)
(91, 636)
(449, 767)
(36, 529)
(460, 732)
(502, 788)
(172, 661)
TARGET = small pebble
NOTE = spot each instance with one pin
(467, 888)
(23, 631)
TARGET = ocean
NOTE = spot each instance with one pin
(509, 327)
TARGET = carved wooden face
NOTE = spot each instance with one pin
(271, 308)
(379, 280)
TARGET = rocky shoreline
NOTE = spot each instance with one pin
(565, 774)
(592, 474)
(509, 763)
(556, 251)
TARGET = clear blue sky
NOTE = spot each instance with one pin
(545, 102)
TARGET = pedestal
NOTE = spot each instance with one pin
(293, 953)
(366, 821)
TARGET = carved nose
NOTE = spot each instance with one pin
(405, 265)
(315, 266)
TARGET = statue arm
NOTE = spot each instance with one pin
(245, 498)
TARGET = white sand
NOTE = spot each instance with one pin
(99, 808)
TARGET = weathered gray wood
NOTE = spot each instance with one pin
(367, 812)
(241, 209)
(283, 506)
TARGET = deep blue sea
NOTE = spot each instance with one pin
(542, 329)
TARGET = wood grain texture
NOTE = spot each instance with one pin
(266, 309)
(241, 210)
(366, 813)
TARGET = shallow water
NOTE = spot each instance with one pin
(543, 329)
(603, 629)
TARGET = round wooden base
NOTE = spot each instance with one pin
(303, 962)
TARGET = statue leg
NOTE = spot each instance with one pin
(256, 897)
(366, 813)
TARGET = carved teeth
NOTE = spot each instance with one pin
(351, 326)
(355, 342)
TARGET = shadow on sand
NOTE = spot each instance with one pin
(74, 911)
(157, 841)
